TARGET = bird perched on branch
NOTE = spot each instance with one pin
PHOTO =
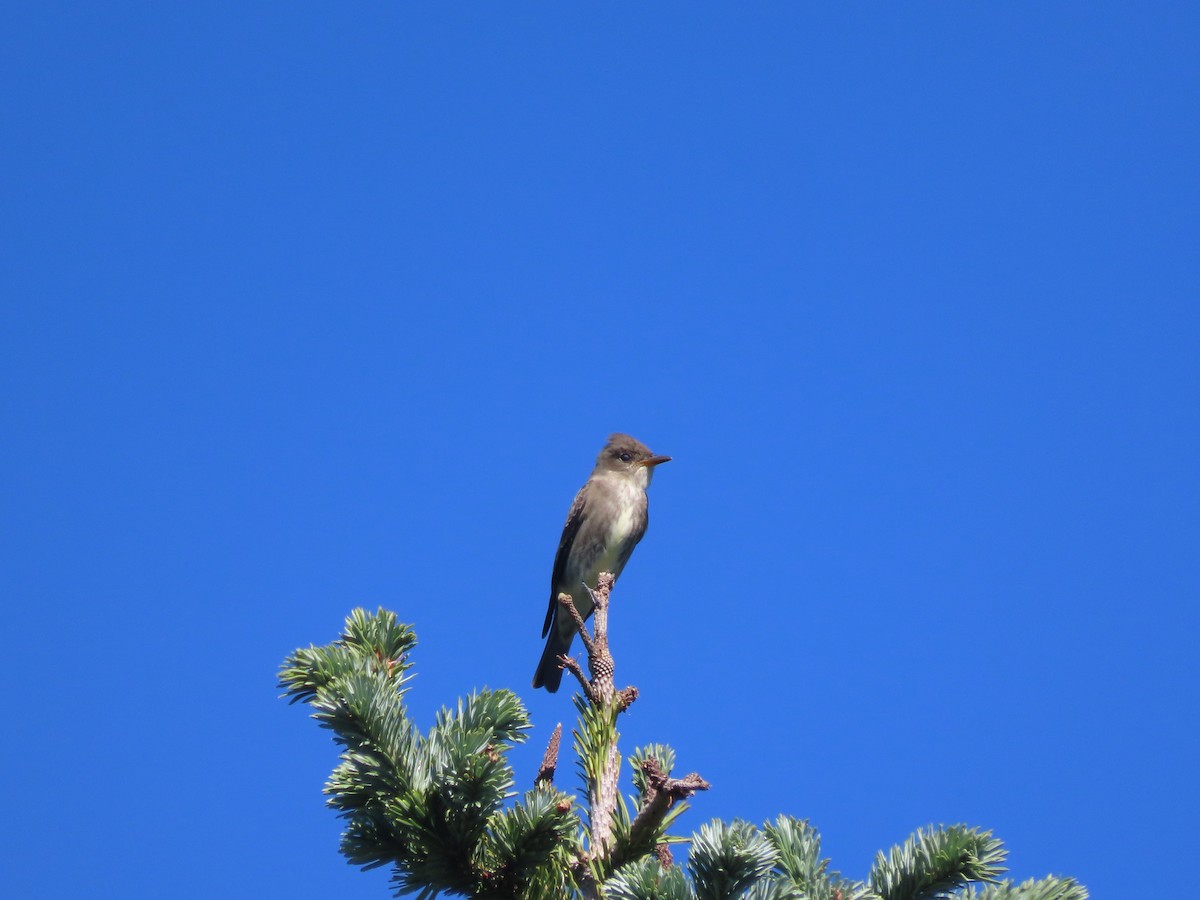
(606, 521)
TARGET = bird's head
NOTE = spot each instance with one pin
(629, 458)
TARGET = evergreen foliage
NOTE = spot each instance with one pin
(440, 808)
(429, 805)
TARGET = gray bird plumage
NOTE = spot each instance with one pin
(606, 521)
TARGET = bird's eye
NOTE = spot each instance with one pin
(626, 456)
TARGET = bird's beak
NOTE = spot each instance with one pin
(654, 461)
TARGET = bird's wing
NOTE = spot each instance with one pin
(574, 519)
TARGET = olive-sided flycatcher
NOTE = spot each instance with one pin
(606, 521)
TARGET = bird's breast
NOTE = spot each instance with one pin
(623, 524)
(628, 503)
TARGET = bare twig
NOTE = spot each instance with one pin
(599, 688)
(572, 665)
(567, 602)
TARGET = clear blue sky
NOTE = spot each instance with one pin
(314, 305)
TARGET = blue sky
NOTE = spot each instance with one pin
(316, 305)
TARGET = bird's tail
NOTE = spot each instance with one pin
(549, 672)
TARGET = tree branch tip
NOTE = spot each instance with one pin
(675, 788)
(545, 775)
(690, 783)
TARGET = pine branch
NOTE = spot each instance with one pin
(800, 873)
(529, 849)
(931, 864)
(355, 688)
(728, 859)
(469, 775)
(599, 763)
(1051, 888)
(433, 805)
(662, 753)
(646, 879)
(662, 798)
(430, 805)
(375, 643)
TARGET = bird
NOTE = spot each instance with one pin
(605, 522)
